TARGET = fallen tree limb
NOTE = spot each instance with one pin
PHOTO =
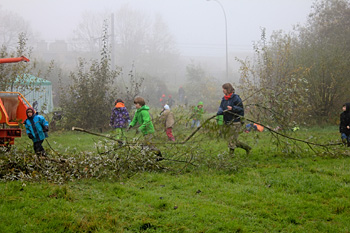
(205, 122)
(196, 130)
(60, 160)
(268, 128)
(286, 136)
(96, 134)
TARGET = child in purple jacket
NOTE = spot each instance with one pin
(120, 118)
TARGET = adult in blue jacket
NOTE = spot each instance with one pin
(36, 128)
(231, 107)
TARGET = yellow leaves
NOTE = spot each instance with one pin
(34, 174)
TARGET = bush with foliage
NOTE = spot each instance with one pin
(302, 77)
(88, 100)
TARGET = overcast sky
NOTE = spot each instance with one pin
(198, 25)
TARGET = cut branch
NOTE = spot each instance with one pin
(96, 134)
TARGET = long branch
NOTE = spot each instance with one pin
(96, 134)
(205, 122)
(286, 136)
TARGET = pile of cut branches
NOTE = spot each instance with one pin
(111, 163)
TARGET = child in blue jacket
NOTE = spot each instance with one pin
(36, 128)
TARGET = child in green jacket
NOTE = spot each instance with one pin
(143, 118)
(197, 115)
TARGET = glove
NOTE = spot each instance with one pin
(30, 136)
(46, 128)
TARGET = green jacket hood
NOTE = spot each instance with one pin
(144, 107)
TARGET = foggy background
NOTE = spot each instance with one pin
(282, 54)
(197, 26)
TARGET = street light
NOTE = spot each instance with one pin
(223, 10)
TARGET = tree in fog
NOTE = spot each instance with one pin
(141, 43)
(140, 84)
(153, 88)
(131, 33)
(146, 43)
(88, 100)
(303, 76)
(274, 82)
(87, 35)
(56, 75)
(324, 48)
(129, 87)
(11, 26)
(160, 57)
(200, 86)
(15, 76)
(130, 28)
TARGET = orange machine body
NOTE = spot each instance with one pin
(13, 108)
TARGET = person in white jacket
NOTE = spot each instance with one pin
(168, 117)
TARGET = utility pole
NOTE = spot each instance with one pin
(223, 10)
(112, 43)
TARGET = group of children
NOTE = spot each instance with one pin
(120, 119)
(37, 126)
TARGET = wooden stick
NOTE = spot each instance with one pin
(196, 130)
(96, 134)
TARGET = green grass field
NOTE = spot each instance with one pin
(200, 187)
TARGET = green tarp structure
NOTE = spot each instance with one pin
(41, 93)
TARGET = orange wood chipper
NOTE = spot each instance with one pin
(13, 108)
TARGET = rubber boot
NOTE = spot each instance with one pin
(244, 146)
(345, 142)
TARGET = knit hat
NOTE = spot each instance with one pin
(30, 109)
(200, 103)
(166, 107)
(118, 101)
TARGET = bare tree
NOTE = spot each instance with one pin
(11, 26)
(161, 57)
(87, 35)
(141, 42)
(131, 29)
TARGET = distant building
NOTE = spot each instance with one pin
(59, 46)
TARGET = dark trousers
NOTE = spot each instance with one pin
(38, 148)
